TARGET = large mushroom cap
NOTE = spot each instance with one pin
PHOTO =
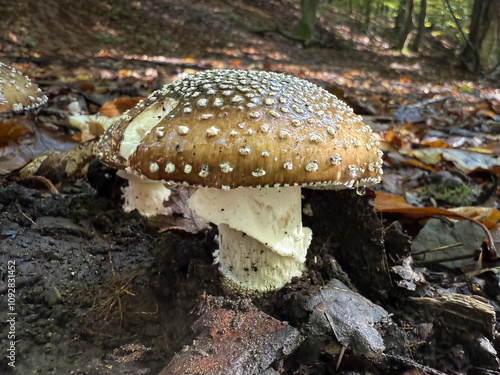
(17, 92)
(231, 128)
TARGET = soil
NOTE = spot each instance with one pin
(101, 291)
(97, 289)
(88, 289)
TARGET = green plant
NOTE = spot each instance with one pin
(457, 196)
(105, 37)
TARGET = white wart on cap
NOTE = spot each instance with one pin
(17, 92)
(228, 129)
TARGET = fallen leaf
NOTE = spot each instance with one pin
(489, 216)
(59, 166)
(391, 203)
(116, 107)
(12, 129)
(467, 160)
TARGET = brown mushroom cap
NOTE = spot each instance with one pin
(231, 128)
(17, 92)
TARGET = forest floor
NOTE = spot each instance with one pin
(100, 291)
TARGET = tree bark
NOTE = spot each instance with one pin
(407, 25)
(421, 26)
(305, 30)
(482, 53)
(398, 23)
(367, 18)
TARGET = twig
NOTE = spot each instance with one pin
(460, 257)
(441, 248)
(27, 217)
(428, 101)
(341, 355)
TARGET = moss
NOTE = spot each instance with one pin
(457, 196)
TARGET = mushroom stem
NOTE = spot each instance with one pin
(262, 242)
(252, 266)
(145, 195)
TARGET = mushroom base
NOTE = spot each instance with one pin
(262, 242)
(144, 195)
(252, 266)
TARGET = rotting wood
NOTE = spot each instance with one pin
(234, 338)
(462, 312)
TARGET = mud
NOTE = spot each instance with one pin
(88, 284)
(100, 291)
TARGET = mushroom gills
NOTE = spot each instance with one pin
(262, 242)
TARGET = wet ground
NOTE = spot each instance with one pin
(88, 291)
(100, 291)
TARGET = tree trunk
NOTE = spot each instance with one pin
(421, 26)
(400, 18)
(482, 53)
(368, 12)
(407, 26)
(305, 30)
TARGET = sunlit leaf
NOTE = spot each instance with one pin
(487, 113)
(467, 88)
(418, 164)
(487, 215)
(467, 160)
(436, 143)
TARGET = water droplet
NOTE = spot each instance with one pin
(360, 190)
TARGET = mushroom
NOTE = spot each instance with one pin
(249, 140)
(17, 92)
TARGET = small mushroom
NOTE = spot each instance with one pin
(249, 140)
(17, 92)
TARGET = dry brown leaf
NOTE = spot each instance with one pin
(59, 166)
(392, 203)
(489, 216)
(395, 139)
(420, 165)
(11, 130)
(118, 106)
(436, 143)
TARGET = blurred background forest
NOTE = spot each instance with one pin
(468, 28)
(463, 32)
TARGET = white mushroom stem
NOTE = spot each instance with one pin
(145, 195)
(262, 242)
